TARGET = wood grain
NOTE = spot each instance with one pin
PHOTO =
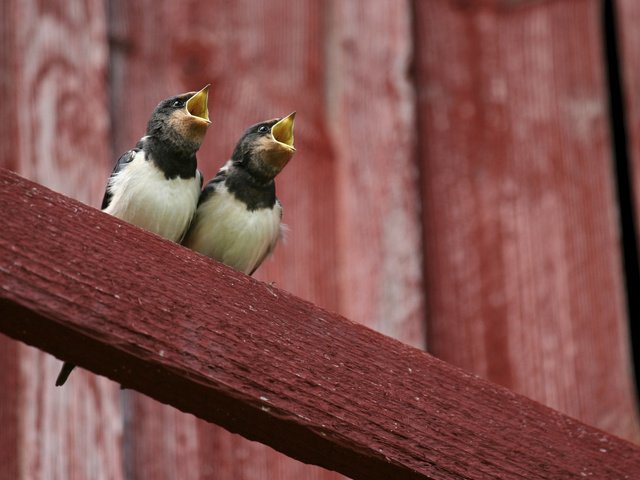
(523, 265)
(9, 409)
(257, 360)
(372, 122)
(55, 130)
(523, 283)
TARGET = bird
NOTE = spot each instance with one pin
(239, 218)
(156, 184)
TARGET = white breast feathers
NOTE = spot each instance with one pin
(143, 196)
(224, 229)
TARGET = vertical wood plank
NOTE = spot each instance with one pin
(263, 59)
(625, 38)
(523, 265)
(153, 429)
(9, 349)
(371, 113)
(54, 59)
(63, 128)
(9, 409)
(627, 15)
(9, 62)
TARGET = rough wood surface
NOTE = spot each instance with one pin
(523, 265)
(208, 340)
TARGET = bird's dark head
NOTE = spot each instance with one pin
(181, 120)
(265, 148)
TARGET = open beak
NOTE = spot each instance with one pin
(197, 104)
(282, 131)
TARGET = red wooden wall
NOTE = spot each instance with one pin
(453, 187)
(523, 264)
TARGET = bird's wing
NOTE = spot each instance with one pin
(269, 250)
(211, 186)
(122, 161)
(199, 177)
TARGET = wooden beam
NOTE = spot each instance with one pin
(258, 361)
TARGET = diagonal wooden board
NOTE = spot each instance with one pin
(260, 362)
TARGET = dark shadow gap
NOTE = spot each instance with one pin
(415, 78)
(623, 180)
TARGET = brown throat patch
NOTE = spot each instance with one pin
(188, 126)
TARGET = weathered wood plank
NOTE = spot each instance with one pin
(59, 78)
(628, 42)
(628, 14)
(55, 130)
(523, 266)
(625, 15)
(263, 59)
(372, 123)
(208, 340)
(9, 409)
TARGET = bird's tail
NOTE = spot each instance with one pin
(65, 371)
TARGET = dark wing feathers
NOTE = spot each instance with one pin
(271, 247)
(199, 176)
(211, 185)
(126, 157)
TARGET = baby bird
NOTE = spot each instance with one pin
(238, 217)
(156, 184)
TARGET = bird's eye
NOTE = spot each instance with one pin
(263, 129)
(177, 103)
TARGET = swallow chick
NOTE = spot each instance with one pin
(238, 220)
(156, 185)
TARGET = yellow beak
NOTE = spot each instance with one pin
(197, 105)
(283, 130)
